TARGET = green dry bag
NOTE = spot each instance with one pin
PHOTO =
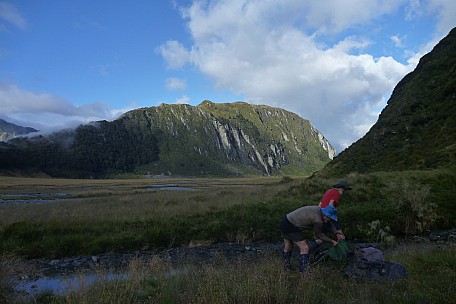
(339, 252)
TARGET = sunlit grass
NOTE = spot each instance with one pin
(123, 200)
(132, 216)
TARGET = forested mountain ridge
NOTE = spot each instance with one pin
(417, 128)
(230, 139)
(9, 130)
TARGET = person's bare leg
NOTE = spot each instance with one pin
(287, 245)
(303, 247)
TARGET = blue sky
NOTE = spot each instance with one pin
(333, 62)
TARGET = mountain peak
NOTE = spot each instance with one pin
(9, 130)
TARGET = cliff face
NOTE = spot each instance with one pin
(417, 128)
(261, 138)
(9, 130)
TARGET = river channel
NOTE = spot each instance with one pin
(61, 276)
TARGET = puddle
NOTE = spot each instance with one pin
(55, 197)
(5, 202)
(172, 187)
(34, 198)
(59, 285)
(62, 285)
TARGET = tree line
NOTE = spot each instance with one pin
(92, 150)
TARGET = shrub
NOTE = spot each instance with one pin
(380, 235)
(412, 203)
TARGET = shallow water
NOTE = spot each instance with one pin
(46, 198)
(60, 285)
(6, 202)
(29, 289)
(172, 187)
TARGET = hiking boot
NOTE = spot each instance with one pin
(286, 256)
(303, 262)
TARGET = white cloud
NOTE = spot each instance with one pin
(176, 84)
(175, 54)
(397, 41)
(183, 100)
(263, 50)
(11, 14)
(414, 9)
(447, 14)
(47, 112)
(333, 16)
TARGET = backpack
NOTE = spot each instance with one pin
(375, 270)
(371, 254)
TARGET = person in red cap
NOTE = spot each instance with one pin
(332, 198)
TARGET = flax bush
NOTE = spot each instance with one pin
(411, 199)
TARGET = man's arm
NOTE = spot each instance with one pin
(318, 232)
(338, 230)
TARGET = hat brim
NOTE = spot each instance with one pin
(332, 217)
(345, 187)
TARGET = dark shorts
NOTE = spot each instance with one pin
(290, 232)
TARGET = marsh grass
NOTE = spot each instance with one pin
(128, 199)
(133, 217)
(431, 279)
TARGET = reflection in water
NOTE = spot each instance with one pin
(60, 285)
(63, 285)
(6, 202)
(172, 187)
(46, 198)
(34, 198)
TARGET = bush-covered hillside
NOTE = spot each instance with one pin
(417, 129)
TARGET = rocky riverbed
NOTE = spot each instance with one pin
(175, 256)
(37, 275)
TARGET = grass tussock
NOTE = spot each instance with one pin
(431, 279)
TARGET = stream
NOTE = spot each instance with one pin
(61, 276)
(46, 198)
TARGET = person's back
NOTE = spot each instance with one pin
(305, 217)
(330, 198)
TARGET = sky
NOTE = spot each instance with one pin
(333, 62)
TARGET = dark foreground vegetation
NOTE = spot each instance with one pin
(431, 279)
(382, 207)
